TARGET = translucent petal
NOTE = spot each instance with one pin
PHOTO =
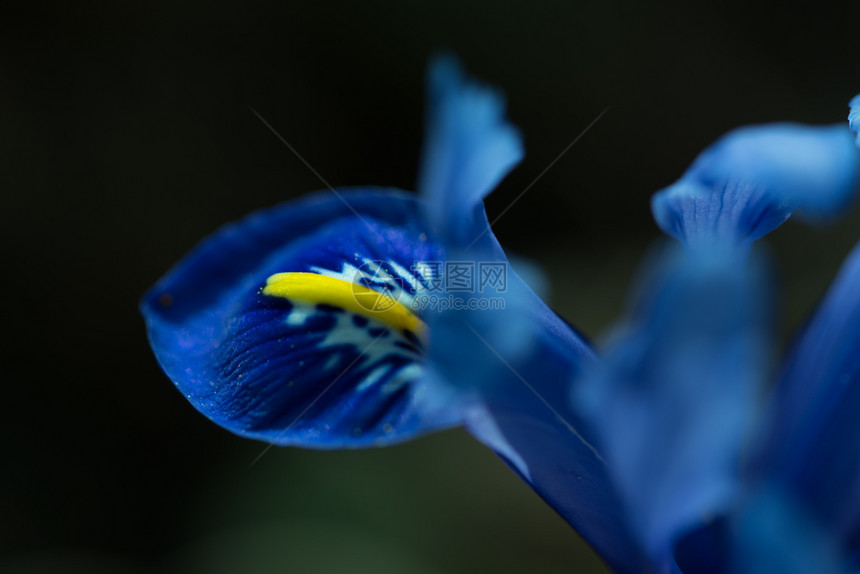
(675, 394)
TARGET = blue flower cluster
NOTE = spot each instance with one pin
(679, 447)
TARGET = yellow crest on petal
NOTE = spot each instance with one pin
(360, 299)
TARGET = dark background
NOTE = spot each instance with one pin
(126, 136)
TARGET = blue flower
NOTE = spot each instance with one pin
(304, 325)
(307, 324)
(714, 475)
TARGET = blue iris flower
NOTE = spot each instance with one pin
(304, 325)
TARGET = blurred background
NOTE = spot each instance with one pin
(126, 136)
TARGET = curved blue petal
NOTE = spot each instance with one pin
(674, 396)
(753, 179)
(504, 348)
(297, 369)
(517, 360)
(813, 444)
(854, 117)
(469, 147)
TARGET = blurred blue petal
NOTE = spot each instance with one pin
(775, 535)
(291, 371)
(854, 117)
(518, 362)
(753, 179)
(469, 147)
(674, 396)
(813, 444)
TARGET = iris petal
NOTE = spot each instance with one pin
(515, 358)
(854, 117)
(264, 329)
(674, 396)
(519, 371)
(814, 437)
(469, 148)
(753, 179)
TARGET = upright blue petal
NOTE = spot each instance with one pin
(513, 356)
(753, 179)
(469, 147)
(813, 444)
(675, 394)
(263, 326)
(854, 117)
